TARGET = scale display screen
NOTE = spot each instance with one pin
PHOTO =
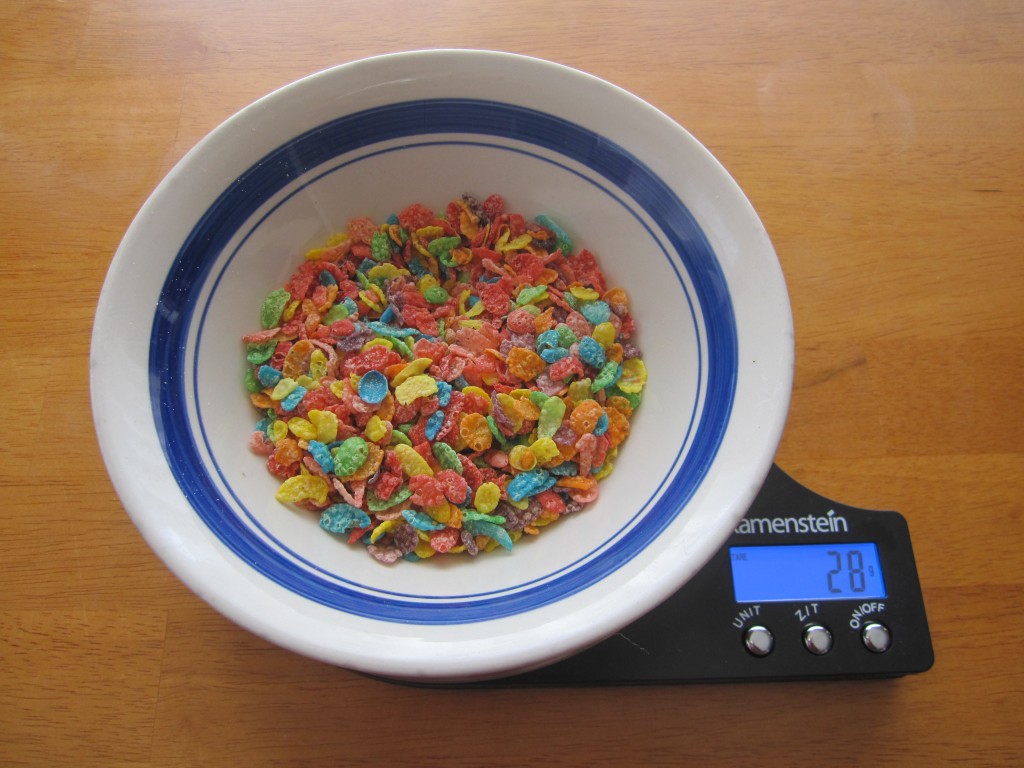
(800, 572)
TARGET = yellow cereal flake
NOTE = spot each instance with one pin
(303, 488)
(412, 463)
(415, 387)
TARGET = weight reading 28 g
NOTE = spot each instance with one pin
(796, 572)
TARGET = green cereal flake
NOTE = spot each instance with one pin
(447, 457)
(435, 294)
(634, 398)
(259, 352)
(398, 437)
(468, 514)
(552, 411)
(251, 382)
(531, 294)
(376, 504)
(273, 306)
(380, 247)
(334, 314)
(350, 456)
(442, 246)
(609, 375)
(497, 433)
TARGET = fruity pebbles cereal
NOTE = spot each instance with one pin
(442, 384)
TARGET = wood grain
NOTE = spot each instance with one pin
(881, 144)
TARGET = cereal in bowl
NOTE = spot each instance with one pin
(443, 384)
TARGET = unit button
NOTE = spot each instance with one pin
(876, 637)
(758, 640)
(817, 639)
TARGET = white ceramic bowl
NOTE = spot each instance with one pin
(227, 225)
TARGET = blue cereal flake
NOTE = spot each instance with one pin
(565, 469)
(602, 425)
(561, 236)
(548, 340)
(326, 278)
(373, 387)
(529, 484)
(444, 393)
(434, 424)
(421, 521)
(596, 312)
(290, 402)
(553, 355)
(492, 531)
(384, 329)
(591, 352)
(342, 518)
(322, 455)
(268, 376)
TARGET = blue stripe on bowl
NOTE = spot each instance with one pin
(236, 205)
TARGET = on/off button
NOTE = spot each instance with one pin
(758, 640)
(876, 637)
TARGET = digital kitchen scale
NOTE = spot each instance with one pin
(804, 589)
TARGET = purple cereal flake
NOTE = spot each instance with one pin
(501, 419)
(565, 434)
(396, 293)
(384, 554)
(517, 519)
(547, 385)
(355, 340)
(630, 350)
(406, 539)
(527, 340)
(469, 542)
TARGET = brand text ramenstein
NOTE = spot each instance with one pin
(830, 523)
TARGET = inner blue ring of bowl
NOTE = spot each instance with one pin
(221, 222)
(354, 159)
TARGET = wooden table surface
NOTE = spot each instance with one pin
(881, 143)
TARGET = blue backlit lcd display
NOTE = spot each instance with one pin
(801, 572)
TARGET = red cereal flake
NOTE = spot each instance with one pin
(453, 485)
(376, 358)
(442, 541)
(299, 285)
(426, 490)
(430, 348)
(494, 206)
(415, 216)
(361, 229)
(387, 483)
(551, 502)
(564, 368)
(496, 298)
